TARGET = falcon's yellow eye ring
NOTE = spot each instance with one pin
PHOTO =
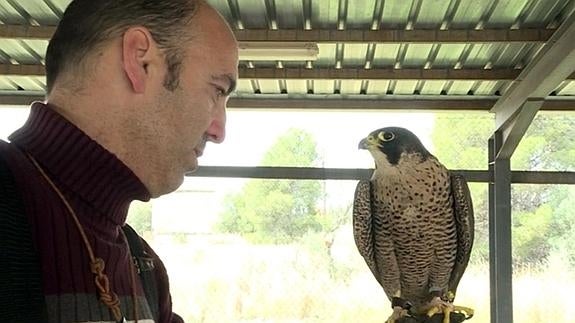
(386, 136)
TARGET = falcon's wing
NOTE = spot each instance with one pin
(464, 221)
(363, 225)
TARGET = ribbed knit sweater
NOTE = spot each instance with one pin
(100, 189)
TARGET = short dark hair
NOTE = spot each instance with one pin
(86, 24)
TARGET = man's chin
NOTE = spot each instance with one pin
(165, 187)
(192, 170)
(171, 180)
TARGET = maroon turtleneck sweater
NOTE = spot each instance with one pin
(99, 188)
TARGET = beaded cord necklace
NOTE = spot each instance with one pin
(97, 265)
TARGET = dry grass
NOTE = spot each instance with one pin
(228, 280)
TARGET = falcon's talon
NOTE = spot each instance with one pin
(398, 313)
(446, 315)
(438, 305)
(467, 311)
(447, 308)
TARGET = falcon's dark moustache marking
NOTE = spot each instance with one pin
(393, 141)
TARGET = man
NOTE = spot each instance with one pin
(135, 89)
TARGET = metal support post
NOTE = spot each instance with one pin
(500, 257)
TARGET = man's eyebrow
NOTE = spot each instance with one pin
(228, 78)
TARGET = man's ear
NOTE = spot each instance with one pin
(137, 52)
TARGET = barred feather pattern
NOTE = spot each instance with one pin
(463, 208)
(414, 234)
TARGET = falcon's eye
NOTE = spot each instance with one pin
(386, 136)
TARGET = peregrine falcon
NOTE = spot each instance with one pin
(413, 225)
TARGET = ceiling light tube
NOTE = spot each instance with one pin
(278, 51)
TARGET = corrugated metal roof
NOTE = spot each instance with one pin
(346, 15)
(327, 14)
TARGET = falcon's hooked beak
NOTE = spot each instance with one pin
(367, 143)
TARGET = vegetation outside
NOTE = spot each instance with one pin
(279, 255)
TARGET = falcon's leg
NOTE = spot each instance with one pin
(400, 307)
(398, 313)
(437, 305)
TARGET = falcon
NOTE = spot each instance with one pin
(413, 224)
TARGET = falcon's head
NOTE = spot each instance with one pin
(390, 143)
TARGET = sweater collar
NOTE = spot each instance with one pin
(78, 164)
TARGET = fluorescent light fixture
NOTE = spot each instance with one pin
(278, 51)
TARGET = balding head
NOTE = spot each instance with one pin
(87, 24)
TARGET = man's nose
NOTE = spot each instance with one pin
(217, 130)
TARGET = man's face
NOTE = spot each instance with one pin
(194, 112)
